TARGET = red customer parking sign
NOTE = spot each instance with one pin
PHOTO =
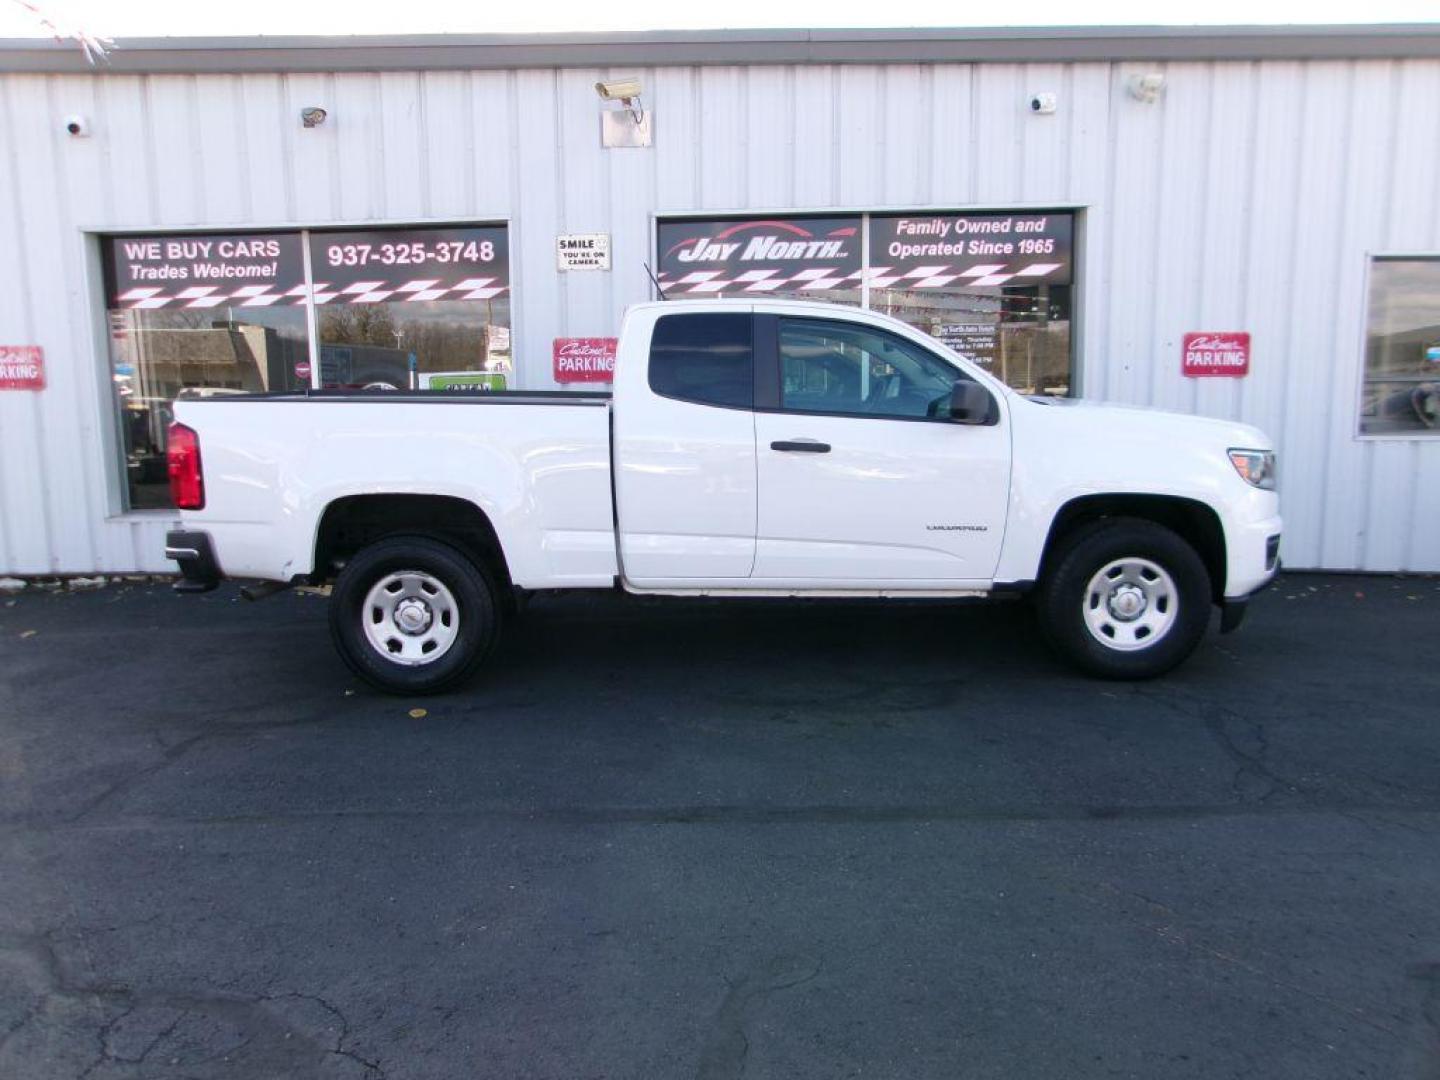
(1224, 354)
(579, 360)
(22, 367)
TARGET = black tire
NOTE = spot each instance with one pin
(471, 602)
(1068, 606)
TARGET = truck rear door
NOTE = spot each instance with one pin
(684, 447)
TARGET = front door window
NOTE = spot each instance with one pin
(836, 367)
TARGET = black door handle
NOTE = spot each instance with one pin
(801, 446)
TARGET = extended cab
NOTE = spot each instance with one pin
(748, 449)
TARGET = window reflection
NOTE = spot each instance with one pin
(1401, 390)
(215, 314)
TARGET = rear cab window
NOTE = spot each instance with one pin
(704, 357)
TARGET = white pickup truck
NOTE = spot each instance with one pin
(748, 449)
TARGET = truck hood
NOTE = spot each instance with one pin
(1138, 420)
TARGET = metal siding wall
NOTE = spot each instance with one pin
(815, 167)
(584, 208)
(538, 297)
(952, 158)
(1248, 198)
(1404, 477)
(1088, 119)
(1367, 150)
(1044, 141)
(1313, 279)
(1221, 271)
(1268, 261)
(27, 526)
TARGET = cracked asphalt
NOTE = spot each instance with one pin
(684, 839)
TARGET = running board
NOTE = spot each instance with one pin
(830, 594)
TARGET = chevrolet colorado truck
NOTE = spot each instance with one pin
(768, 448)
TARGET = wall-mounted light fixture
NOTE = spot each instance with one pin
(312, 116)
(1147, 87)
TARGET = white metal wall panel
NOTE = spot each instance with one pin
(584, 207)
(1366, 153)
(1267, 259)
(535, 176)
(1044, 143)
(1220, 273)
(952, 159)
(859, 130)
(1404, 477)
(1248, 198)
(814, 165)
(1313, 279)
(1087, 117)
(26, 528)
(908, 111)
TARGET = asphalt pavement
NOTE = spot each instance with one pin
(692, 840)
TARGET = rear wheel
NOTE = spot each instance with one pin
(413, 615)
(1126, 599)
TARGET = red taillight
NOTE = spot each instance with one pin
(182, 455)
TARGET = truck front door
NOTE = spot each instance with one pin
(865, 480)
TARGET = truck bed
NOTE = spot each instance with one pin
(541, 474)
(501, 397)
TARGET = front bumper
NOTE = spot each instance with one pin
(1252, 552)
(1233, 608)
(199, 571)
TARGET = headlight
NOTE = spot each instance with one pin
(1255, 467)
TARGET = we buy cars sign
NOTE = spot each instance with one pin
(589, 359)
(22, 367)
(1211, 354)
(183, 271)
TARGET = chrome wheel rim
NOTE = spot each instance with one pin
(1131, 604)
(410, 618)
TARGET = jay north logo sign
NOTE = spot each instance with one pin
(792, 255)
(762, 249)
(832, 243)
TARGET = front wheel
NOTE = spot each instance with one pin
(413, 615)
(1126, 599)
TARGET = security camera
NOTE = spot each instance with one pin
(77, 125)
(312, 116)
(621, 90)
(1042, 104)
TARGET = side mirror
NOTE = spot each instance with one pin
(969, 403)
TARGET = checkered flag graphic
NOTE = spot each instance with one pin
(145, 298)
(701, 282)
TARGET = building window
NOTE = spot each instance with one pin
(423, 309)
(229, 313)
(995, 287)
(220, 313)
(1400, 394)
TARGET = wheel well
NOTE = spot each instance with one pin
(356, 521)
(1193, 521)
